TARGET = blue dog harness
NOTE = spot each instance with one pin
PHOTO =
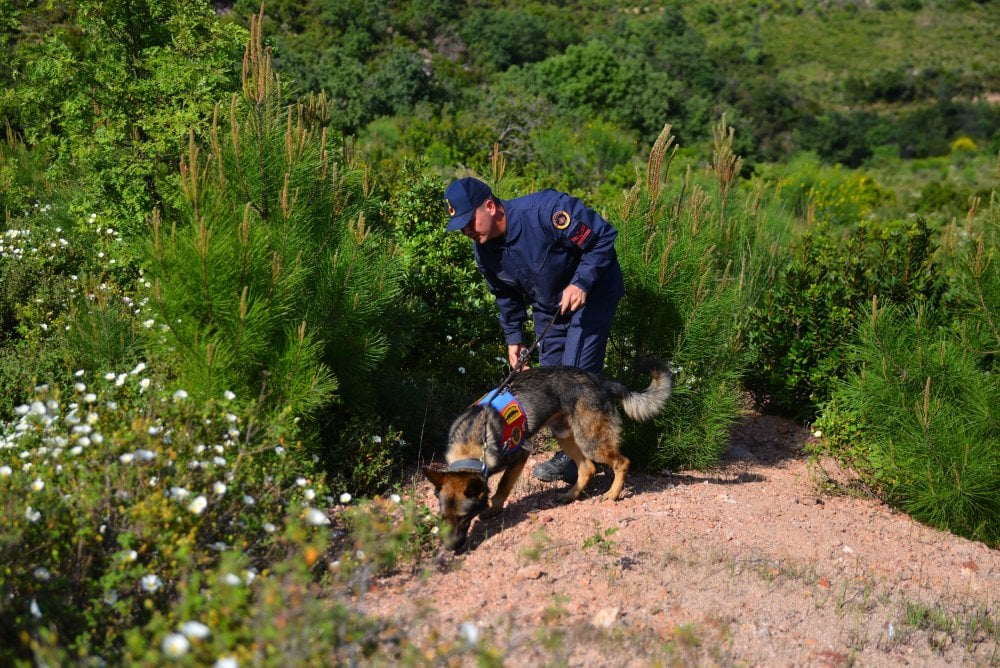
(515, 423)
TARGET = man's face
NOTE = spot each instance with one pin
(483, 225)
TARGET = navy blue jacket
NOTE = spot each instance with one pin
(552, 240)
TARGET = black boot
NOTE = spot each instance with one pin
(560, 467)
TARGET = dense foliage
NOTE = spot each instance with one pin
(229, 307)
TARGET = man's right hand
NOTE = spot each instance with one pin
(514, 354)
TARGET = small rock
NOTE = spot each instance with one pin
(605, 618)
(529, 572)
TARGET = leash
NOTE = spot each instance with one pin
(522, 359)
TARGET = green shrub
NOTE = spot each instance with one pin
(918, 421)
(804, 324)
(689, 260)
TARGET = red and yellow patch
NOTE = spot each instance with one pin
(561, 220)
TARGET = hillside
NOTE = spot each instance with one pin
(745, 565)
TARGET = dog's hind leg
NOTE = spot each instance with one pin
(504, 487)
(585, 468)
(619, 463)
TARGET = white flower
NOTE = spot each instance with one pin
(79, 373)
(127, 458)
(179, 493)
(79, 387)
(38, 485)
(219, 488)
(249, 500)
(130, 556)
(395, 498)
(345, 498)
(309, 494)
(5, 471)
(227, 662)
(89, 398)
(198, 505)
(144, 384)
(461, 369)
(36, 612)
(42, 574)
(148, 324)
(22, 409)
(175, 645)
(316, 517)
(32, 515)
(180, 395)
(470, 632)
(377, 439)
(139, 368)
(195, 630)
(228, 395)
(818, 434)
(110, 375)
(301, 482)
(151, 582)
(270, 528)
(232, 579)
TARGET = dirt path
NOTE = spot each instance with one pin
(748, 565)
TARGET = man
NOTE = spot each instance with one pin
(551, 252)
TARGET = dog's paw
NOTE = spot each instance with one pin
(492, 511)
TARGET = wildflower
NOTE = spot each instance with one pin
(227, 662)
(461, 369)
(38, 485)
(139, 368)
(130, 556)
(270, 528)
(180, 395)
(309, 494)
(316, 517)
(395, 498)
(228, 395)
(249, 500)
(198, 505)
(301, 482)
(5, 471)
(179, 493)
(818, 434)
(377, 439)
(89, 398)
(79, 373)
(22, 410)
(280, 450)
(232, 579)
(219, 488)
(470, 632)
(36, 612)
(175, 645)
(32, 515)
(127, 458)
(79, 387)
(145, 455)
(110, 375)
(345, 498)
(144, 384)
(148, 324)
(151, 582)
(195, 630)
(42, 574)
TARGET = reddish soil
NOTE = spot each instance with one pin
(756, 563)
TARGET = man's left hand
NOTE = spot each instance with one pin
(573, 298)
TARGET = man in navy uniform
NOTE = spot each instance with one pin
(551, 252)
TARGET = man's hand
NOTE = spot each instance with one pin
(573, 298)
(514, 354)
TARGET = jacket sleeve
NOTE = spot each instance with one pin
(510, 304)
(582, 229)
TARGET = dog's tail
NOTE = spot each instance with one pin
(645, 404)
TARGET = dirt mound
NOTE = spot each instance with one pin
(746, 565)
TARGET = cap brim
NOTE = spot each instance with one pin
(459, 220)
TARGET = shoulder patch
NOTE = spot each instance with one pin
(561, 220)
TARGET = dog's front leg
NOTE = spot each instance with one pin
(506, 484)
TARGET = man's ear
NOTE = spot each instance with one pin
(436, 476)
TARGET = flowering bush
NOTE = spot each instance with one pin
(116, 493)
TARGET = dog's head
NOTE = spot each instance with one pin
(461, 495)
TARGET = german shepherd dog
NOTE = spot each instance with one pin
(580, 409)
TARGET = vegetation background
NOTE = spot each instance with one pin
(230, 320)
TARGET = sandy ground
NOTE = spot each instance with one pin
(751, 564)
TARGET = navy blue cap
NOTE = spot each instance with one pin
(462, 198)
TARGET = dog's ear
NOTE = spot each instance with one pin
(436, 476)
